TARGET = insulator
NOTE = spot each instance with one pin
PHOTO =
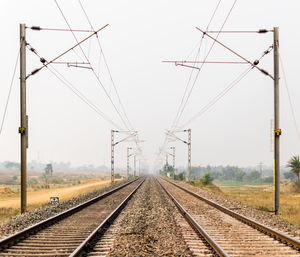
(256, 62)
(36, 28)
(42, 60)
(264, 72)
(35, 71)
(263, 31)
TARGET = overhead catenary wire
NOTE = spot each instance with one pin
(77, 92)
(106, 64)
(205, 58)
(192, 71)
(290, 98)
(218, 97)
(93, 71)
(176, 119)
(9, 92)
(226, 90)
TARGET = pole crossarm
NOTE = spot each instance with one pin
(124, 139)
(65, 52)
(212, 62)
(253, 64)
(169, 133)
(260, 31)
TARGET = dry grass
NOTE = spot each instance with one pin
(10, 202)
(262, 198)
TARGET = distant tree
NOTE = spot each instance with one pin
(206, 179)
(11, 165)
(179, 176)
(117, 176)
(216, 174)
(290, 175)
(294, 164)
(239, 175)
(267, 179)
(254, 175)
(48, 169)
(167, 169)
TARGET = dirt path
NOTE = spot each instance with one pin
(40, 197)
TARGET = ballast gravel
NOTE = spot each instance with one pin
(20, 222)
(263, 217)
(149, 227)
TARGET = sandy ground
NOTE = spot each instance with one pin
(42, 196)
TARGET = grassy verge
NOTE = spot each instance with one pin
(10, 202)
(262, 198)
(238, 183)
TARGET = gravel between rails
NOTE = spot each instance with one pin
(263, 217)
(19, 222)
(149, 227)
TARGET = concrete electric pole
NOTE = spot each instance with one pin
(277, 129)
(24, 121)
(128, 155)
(189, 144)
(112, 161)
(173, 155)
(134, 170)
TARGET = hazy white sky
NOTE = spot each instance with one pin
(236, 130)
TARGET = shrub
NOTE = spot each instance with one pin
(206, 179)
(179, 176)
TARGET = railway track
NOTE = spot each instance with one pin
(72, 232)
(227, 232)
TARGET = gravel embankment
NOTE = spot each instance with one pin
(19, 222)
(263, 217)
(148, 227)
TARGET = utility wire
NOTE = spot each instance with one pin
(290, 99)
(107, 67)
(77, 92)
(218, 97)
(85, 56)
(191, 74)
(209, 51)
(9, 92)
(226, 90)
(176, 120)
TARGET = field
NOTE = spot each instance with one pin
(62, 185)
(262, 197)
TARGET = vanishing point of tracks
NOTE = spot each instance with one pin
(206, 228)
(226, 232)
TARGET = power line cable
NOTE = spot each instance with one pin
(85, 56)
(219, 96)
(106, 64)
(290, 99)
(209, 51)
(77, 92)
(191, 73)
(9, 91)
(196, 77)
(176, 120)
(226, 90)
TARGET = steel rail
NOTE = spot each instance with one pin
(88, 243)
(261, 227)
(196, 226)
(14, 238)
